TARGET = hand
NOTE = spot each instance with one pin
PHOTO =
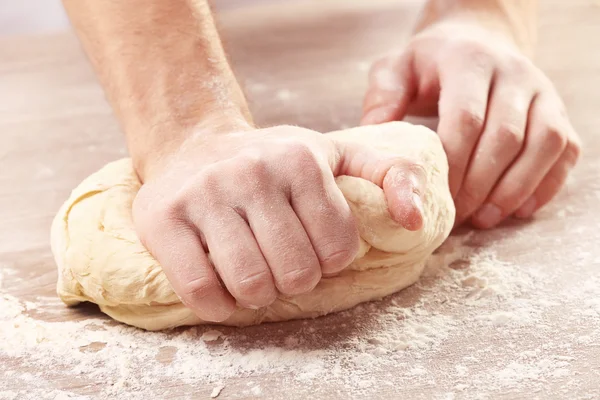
(504, 128)
(265, 205)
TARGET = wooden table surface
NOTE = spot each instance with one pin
(305, 63)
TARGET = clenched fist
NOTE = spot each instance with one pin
(265, 205)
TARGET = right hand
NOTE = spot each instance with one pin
(265, 205)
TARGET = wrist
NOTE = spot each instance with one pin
(152, 148)
(511, 20)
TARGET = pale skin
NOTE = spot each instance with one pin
(263, 202)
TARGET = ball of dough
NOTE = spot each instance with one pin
(101, 260)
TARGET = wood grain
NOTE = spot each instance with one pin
(300, 64)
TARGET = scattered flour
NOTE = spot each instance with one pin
(216, 391)
(211, 336)
(466, 295)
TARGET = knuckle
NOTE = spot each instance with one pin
(252, 174)
(204, 188)
(573, 151)
(510, 135)
(519, 65)
(153, 217)
(479, 54)
(255, 287)
(554, 181)
(470, 120)
(336, 258)
(301, 157)
(299, 281)
(208, 177)
(336, 254)
(256, 167)
(554, 139)
(198, 288)
(170, 210)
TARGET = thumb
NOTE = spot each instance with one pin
(391, 89)
(402, 180)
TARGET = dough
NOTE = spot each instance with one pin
(100, 259)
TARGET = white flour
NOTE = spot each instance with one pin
(463, 293)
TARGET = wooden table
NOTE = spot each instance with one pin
(509, 313)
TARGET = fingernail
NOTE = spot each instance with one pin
(378, 115)
(527, 209)
(418, 202)
(488, 215)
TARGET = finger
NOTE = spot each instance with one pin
(553, 181)
(403, 189)
(544, 142)
(402, 180)
(285, 246)
(238, 259)
(392, 85)
(189, 271)
(323, 213)
(499, 145)
(465, 87)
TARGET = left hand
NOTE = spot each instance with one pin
(509, 143)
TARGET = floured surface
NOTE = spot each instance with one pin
(532, 330)
(471, 307)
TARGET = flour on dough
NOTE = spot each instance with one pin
(100, 258)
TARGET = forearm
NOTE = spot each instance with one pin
(516, 18)
(163, 69)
